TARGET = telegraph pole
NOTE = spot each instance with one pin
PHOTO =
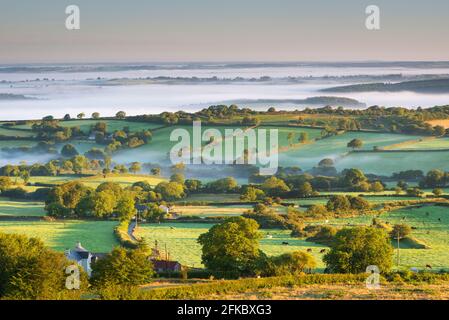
(398, 249)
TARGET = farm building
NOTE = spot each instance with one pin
(83, 257)
(166, 266)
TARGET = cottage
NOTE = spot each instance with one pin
(166, 266)
(141, 208)
(83, 257)
(165, 209)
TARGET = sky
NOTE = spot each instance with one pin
(232, 30)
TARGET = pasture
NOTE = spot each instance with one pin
(385, 163)
(335, 147)
(15, 133)
(430, 231)
(371, 199)
(124, 180)
(10, 207)
(181, 241)
(81, 146)
(96, 236)
(112, 125)
(211, 211)
(157, 151)
(217, 210)
(16, 143)
(210, 197)
(428, 143)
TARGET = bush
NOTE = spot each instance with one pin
(338, 204)
(292, 263)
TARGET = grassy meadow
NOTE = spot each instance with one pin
(112, 124)
(124, 180)
(96, 236)
(430, 231)
(9, 207)
(388, 163)
(181, 241)
(335, 147)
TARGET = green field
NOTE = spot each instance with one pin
(9, 207)
(182, 246)
(283, 133)
(52, 179)
(112, 125)
(96, 236)
(432, 143)
(15, 133)
(334, 147)
(385, 163)
(371, 199)
(81, 146)
(218, 210)
(429, 230)
(124, 180)
(16, 143)
(210, 197)
(157, 151)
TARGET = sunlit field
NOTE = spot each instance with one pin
(181, 241)
(10, 207)
(96, 236)
(430, 231)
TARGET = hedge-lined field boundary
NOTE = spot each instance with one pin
(224, 287)
(121, 233)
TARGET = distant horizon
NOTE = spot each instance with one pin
(249, 62)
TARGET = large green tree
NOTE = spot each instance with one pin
(123, 267)
(64, 198)
(170, 190)
(29, 270)
(355, 144)
(126, 206)
(69, 151)
(354, 249)
(232, 246)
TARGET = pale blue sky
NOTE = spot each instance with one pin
(231, 30)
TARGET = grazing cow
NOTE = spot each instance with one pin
(171, 228)
(285, 243)
(428, 266)
(439, 219)
(414, 228)
(427, 214)
(309, 250)
(322, 250)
